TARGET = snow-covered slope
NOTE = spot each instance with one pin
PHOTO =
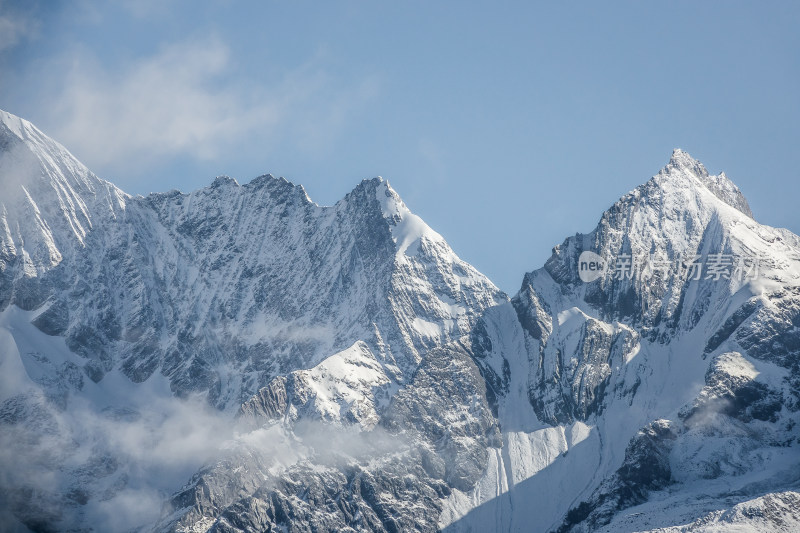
(48, 205)
(240, 358)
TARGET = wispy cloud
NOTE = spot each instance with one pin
(15, 27)
(123, 464)
(185, 100)
(163, 104)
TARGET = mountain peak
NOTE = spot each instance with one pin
(407, 228)
(683, 164)
(13, 123)
(43, 183)
(224, 181)
(681, 160)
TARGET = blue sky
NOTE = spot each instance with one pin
(506, 127)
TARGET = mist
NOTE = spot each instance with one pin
(119, 466)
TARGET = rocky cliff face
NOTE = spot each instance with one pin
(242, 359)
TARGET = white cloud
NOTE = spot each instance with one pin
(186, 100)
(129, 462)
(163, 104)
(15, 27)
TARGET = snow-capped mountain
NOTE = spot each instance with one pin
(654, 395)
(242, 359)
(224, 288)
(215, 292)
